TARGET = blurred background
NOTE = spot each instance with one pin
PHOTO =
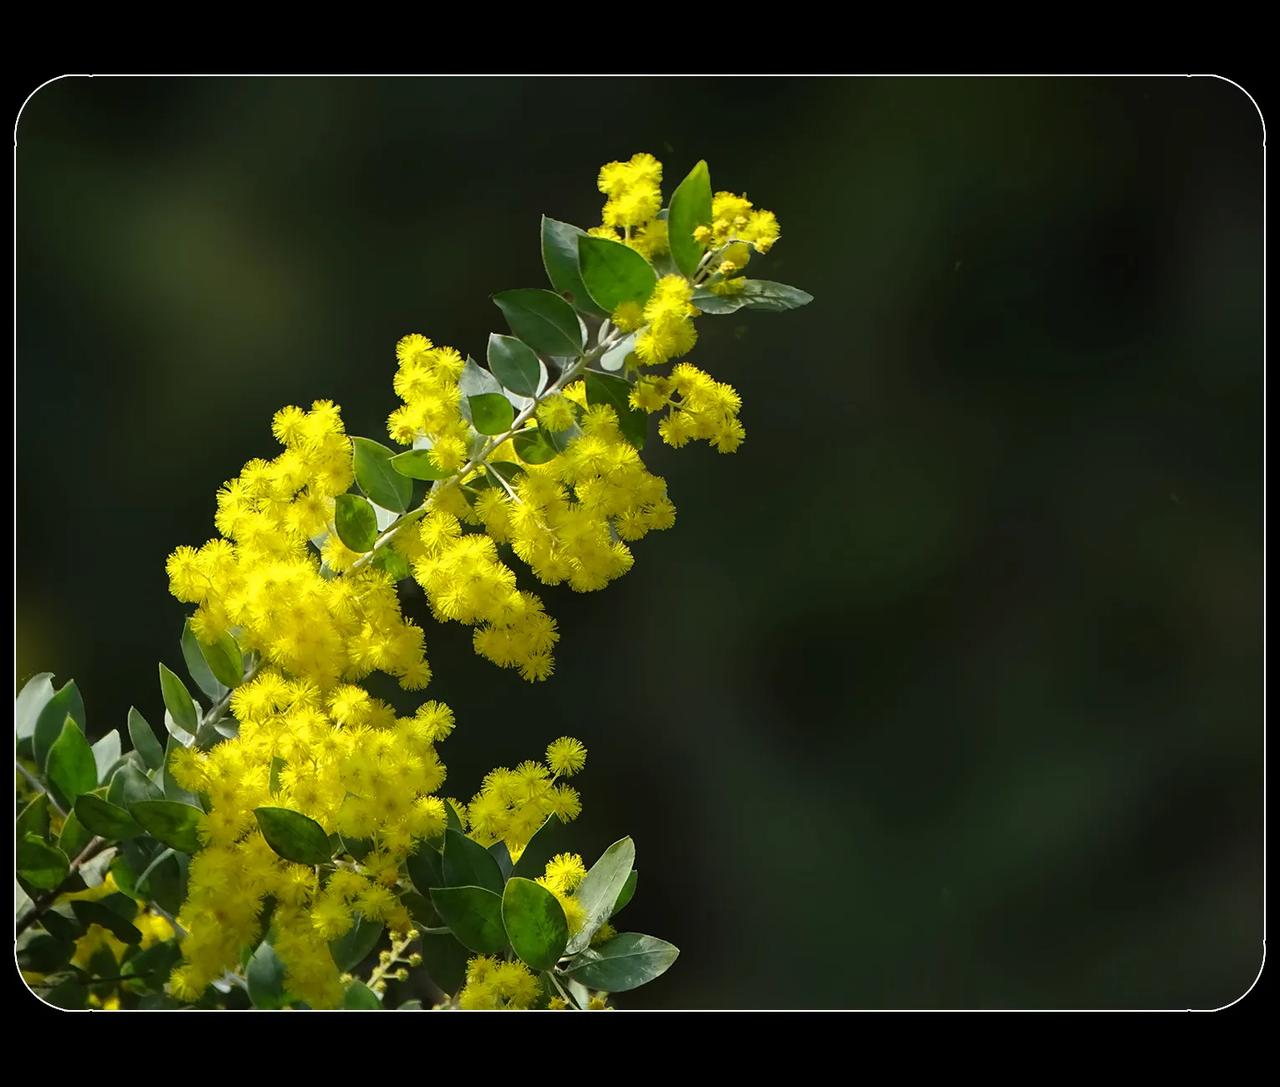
(946, 690)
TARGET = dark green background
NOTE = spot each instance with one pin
(945, 691)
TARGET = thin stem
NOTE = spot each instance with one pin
(564, 995)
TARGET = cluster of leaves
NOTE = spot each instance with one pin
(100, 818)
(111, 819)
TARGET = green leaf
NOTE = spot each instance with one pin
(177, 700)
(352, 948)
(393, 563)
(123, 872)
(32, 699)
(74, 836)
(626, 962)
(600, 889)
(42, 865)
(34, 818)
(70, 994)
(359, 997)
(225, 660)
(468, 864)
(502, 855)
(419, 464)
(474, 916)
(170, 822)
(517, 367)
(106, 819)
(533, 446)
(616, 357)
(543, 320)
(382, 483)
(535, 923)
(626, 894)
(615, 391)
(756, 294)
(144, 741)
(106, 754)
(491, 413)
(546, 842)
(265, 975)
(65, 703)
(197, 667)
(614, 273)
(356, 522)
(98, 913)
(71, 769)
(294, 836)
(426, 868)
(475, 380)
(690, 209)
(273, 775)
(560, 258)
(129, 785)
(61, 927)
(452, 820)
(445, 960)
(45, 954)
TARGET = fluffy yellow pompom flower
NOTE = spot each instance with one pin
(566, 756)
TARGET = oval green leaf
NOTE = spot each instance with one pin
(170, 822)
(144, 741)
(600, 889)
(491, 413)
(426, 868)
(614, 273)
(360, 998)
(355, 522)
(106, 753)
(225, 660)
(419, 464)
(36, 693)
(690, 209)
(543, 320)
(350, 949)
(377, 478)
(74, 835)
(515, 365)
(533, 447)
(626, 894)
(560, 258)
(474, 916)
(197, 667)
(177, 700)
(535, 923)
(71, 769)
(65, 703)
(294, 836)
(626, 962)
(97, 913)
(106, 819)
(42, 865)
(468, 863)
(265, 977)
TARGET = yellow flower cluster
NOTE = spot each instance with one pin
(700, 407)
(512, 804)
(735, 219)
(634, 189)
(571, 518)
(464, 580)
(342, 758)
(427, 381)
(493, 985)
(263, 583)
(668, 322)
(563, 876)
